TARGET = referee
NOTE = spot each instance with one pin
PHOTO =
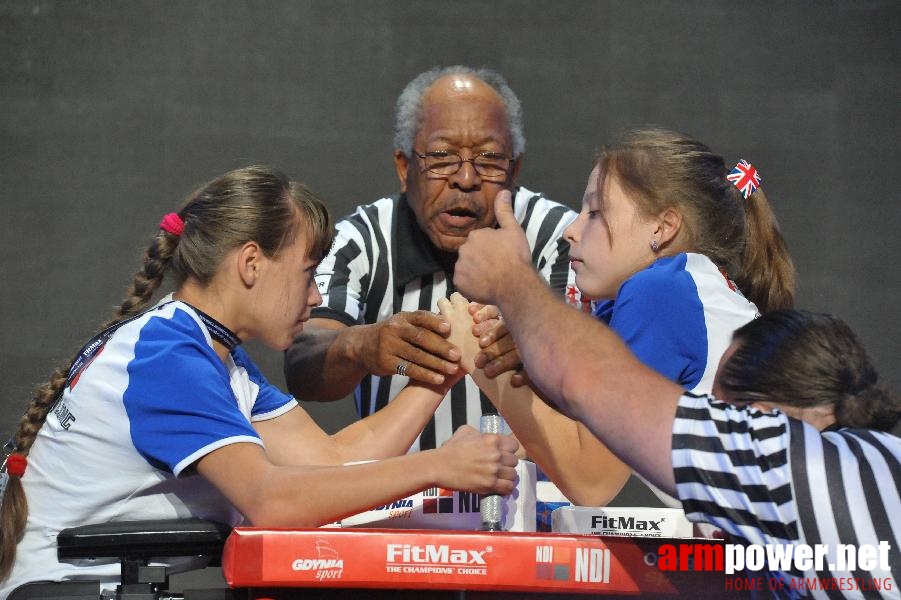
(458, 142)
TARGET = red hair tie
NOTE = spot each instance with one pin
(173, 224)
(15, 465)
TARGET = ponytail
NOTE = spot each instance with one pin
(872, 408)
(14, 507)
(767, 274)
(663, 169)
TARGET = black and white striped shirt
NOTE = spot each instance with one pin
(765, 478)
(382, 263)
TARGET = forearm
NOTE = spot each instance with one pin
(391, 430)
(311, 497)
(586, 370)
(323, 363)
(583, 468)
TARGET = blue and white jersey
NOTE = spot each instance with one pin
(677, 316)
(121, 443)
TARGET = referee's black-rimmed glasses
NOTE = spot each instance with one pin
(490, 165)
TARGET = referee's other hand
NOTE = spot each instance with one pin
(415, 340)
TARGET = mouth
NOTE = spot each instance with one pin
(458, 217)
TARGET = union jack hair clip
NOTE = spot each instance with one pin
(745, 178)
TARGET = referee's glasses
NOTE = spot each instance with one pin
(489, 165)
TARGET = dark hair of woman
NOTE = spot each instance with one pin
(803, 359)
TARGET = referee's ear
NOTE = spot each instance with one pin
(514, 169)
(401, 165)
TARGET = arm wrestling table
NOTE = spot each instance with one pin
(397, 563)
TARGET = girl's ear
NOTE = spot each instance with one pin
(248, 263)
(669, 224)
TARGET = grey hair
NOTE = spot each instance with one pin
(408, 111)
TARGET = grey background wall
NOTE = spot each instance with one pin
(110, 113)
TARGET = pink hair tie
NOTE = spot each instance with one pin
(15, 465)
(173, 224)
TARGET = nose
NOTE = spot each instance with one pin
(314, 298)
(572, 233)
(466, 177)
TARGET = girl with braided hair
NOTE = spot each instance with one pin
(164, 415)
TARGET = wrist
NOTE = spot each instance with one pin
(353, 342)
(515, 282)
(430, 468)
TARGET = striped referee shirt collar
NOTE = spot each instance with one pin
(415, 255)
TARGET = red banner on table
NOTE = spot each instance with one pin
(420, 559)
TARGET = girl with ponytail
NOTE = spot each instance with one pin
(678, 250)
(799, 456)
(164, 415)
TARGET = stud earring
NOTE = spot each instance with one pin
(654, 245)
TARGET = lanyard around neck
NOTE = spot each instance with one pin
(217, 330)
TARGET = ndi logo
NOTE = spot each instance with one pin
(439, 500)
(591, 565)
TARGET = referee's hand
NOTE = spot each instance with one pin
(498, 352)
(413, 344)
